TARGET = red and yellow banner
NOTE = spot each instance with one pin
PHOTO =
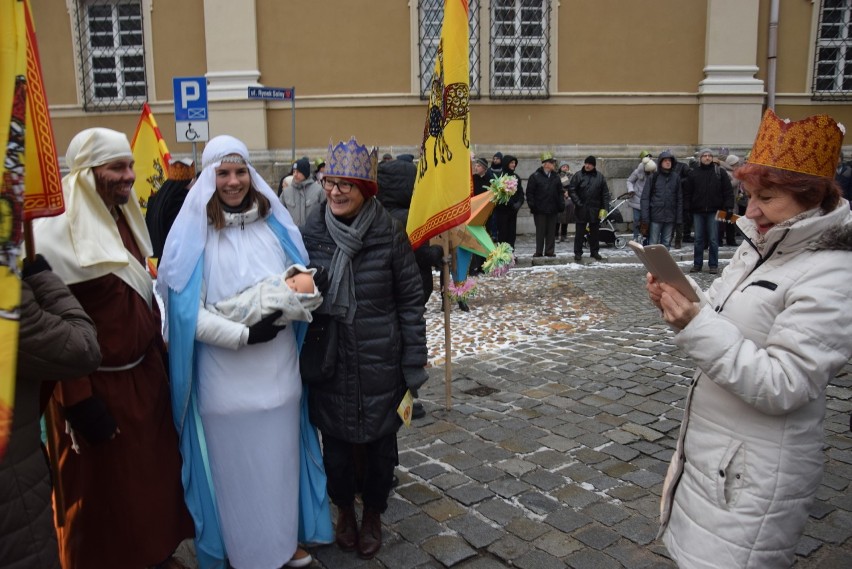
(30, 185)
(151, 155)
(443, 187)
(13, 94)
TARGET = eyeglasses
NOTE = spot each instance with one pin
(343, 186)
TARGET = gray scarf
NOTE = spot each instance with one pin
(340, 299)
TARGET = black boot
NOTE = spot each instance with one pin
(370, 536)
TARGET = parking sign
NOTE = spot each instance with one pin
(190, 94)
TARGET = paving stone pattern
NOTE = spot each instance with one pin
(561, 465)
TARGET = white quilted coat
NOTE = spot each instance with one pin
(749, 457)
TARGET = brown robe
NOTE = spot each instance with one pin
(119, 504)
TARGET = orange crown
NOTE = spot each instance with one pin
(809, 146)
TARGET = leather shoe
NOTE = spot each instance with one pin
(370, 537)
(417, 410)
(577, 258)
(346, 532)
(597, 257)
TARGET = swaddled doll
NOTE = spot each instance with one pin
(293, 293)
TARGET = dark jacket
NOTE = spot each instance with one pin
(388, 333)
(544, 193)
(708, 189)
(517, 200)
(480, 183)
(57, 340)
(662, 197)
(590, 194)
(396, 185)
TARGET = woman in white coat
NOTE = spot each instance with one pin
(767, 339)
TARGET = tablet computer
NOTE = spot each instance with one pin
(660, 263)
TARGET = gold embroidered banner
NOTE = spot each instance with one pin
(151, 155)
(443, 187)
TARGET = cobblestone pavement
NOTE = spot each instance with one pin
(554, 451)
(560, 431)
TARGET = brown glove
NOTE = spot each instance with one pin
(643, 229)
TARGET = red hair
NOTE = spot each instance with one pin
(809, 191)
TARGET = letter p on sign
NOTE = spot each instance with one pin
(190, 95)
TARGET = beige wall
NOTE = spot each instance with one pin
(648, 47)
(627, 74)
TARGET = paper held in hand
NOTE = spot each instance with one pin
(405, 408)
(660, 263)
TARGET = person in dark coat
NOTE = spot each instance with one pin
(57, 341)
(506, 215)
(395, 189)
(374, 294)
(662, 202)
(589, 192)
(707, 190)
(164, 206)
(545, 200)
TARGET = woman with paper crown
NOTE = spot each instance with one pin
(766, 340)
(236, 387)
(375, 296)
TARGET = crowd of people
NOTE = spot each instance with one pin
(211, 425)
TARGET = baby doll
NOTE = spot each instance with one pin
(293, 293)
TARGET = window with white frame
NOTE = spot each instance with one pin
(833, 65)
(112, 53)
(430, 18)
(520, 48)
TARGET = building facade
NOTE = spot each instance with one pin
(576, 77)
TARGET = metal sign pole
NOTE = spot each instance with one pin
(195, 156)
(293, 121)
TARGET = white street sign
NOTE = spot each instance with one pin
(192, 131)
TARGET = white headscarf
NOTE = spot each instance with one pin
(84, 242)
(188, 235)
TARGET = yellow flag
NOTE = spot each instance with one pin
(151, 155)
(12, 122)
(443, 187)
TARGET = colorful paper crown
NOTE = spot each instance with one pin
(547, 157)
(353, 161)
(809, 146)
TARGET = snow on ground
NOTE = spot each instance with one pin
(523, 305)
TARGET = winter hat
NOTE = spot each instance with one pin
(319, 162)
(704, 151)
(303, 165)
(732, 160)
(644, 154)
(548, 157)
(405, 157)
(481, 161)
(498, 155)
(591, 160)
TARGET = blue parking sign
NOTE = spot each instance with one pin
(190, 94)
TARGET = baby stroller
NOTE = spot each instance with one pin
(607, 234)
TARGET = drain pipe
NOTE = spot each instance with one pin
(772, 54)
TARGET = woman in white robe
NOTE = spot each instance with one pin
(248, 386)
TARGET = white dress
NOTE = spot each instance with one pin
(249, 406)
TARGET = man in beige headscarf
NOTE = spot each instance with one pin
(118, 494)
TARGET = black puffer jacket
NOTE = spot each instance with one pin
(662, 197)
(388, 333)
(590, 194)
(57, 340)
(544, 193)
(707, 190)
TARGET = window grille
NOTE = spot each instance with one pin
(833, 65)
(520, 49)
(112, 54)
(431, 16)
